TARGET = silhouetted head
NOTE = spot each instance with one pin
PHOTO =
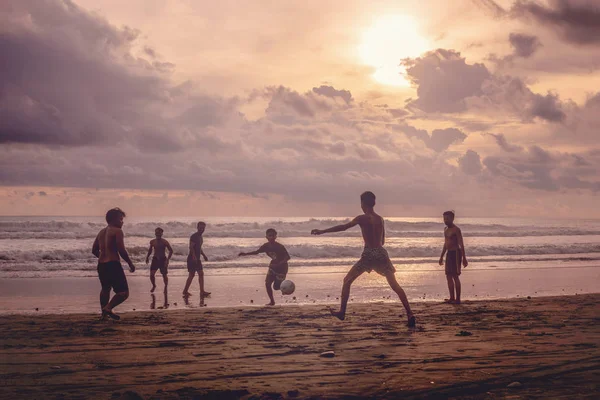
(201, 226)
(367, 201)
(158, 232)
(449, 218)
(271, 235)
(115, 217)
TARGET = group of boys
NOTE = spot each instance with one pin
(109, 245)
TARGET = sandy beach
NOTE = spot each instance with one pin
(476, 350)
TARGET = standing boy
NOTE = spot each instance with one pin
(108, 246)
(194, 264)
(278, 267)
(453, 244)
(160, 261)
(374, 256)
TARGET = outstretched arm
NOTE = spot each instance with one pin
(96, 248)
(461, 244)
(337, 228)
(261, 249)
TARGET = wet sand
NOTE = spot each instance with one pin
(475, 350)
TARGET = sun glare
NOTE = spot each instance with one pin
(387, 42)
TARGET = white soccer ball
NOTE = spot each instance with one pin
(287, 287)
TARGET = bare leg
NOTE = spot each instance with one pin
(166, 281)
(188, 283)
(268, 282)
(348, 279)
(201, 282)
(450, 289)
(457, 285)
(153, 280)
(117, 299)
(391, 278)
(104, 298)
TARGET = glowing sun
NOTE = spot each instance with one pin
(387, 42)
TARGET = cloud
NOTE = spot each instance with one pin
(444, 71)
(441, 139)
(577, 21)
(524, 45)
(503, 143)
(470, 163)
(446, 83)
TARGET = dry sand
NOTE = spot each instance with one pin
(549, 345)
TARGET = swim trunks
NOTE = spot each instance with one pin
(453, 262)
(277, 276)
(375, 259)
(159, 263)
(193, 265)
(112, 276)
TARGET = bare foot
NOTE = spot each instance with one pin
(270, 304)
(111, 314)
(186, 294)
(449, 301)
(338, 314)
(205, 294)
(456, 301)
(153, 288)
(412, 321)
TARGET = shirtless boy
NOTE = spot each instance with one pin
(374, 256)
(194, 264)
(278, 267)
(453, 244)
(108, 246)
(160, 261)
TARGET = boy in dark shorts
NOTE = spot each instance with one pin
(453, 244)
(374, 256)
(108, 246)
(194, 264)
(160, 261)
(278, 267)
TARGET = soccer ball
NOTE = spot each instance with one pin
(287, 287)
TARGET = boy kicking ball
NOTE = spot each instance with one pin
(278, 267)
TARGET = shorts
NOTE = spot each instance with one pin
(193, 265)
(453, 262)
(375, 259)
(277, 277)
(112, 276)
(159, 263)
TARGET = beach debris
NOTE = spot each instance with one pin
(294, 298)
(37, 309)
(464, 333)
(306, 295)
(293, 393)
(327, 354)
(380, 356)
(175, 304)
(515, 385)
(528, 297)
(251, 301)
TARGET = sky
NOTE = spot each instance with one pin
(293, 108)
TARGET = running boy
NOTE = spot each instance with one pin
(160, 261)
(278, 267)
(374, 256)
(453, 244)
(108, 246)
(194, 264)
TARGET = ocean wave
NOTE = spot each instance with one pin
(178, 229)
(299, 252)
